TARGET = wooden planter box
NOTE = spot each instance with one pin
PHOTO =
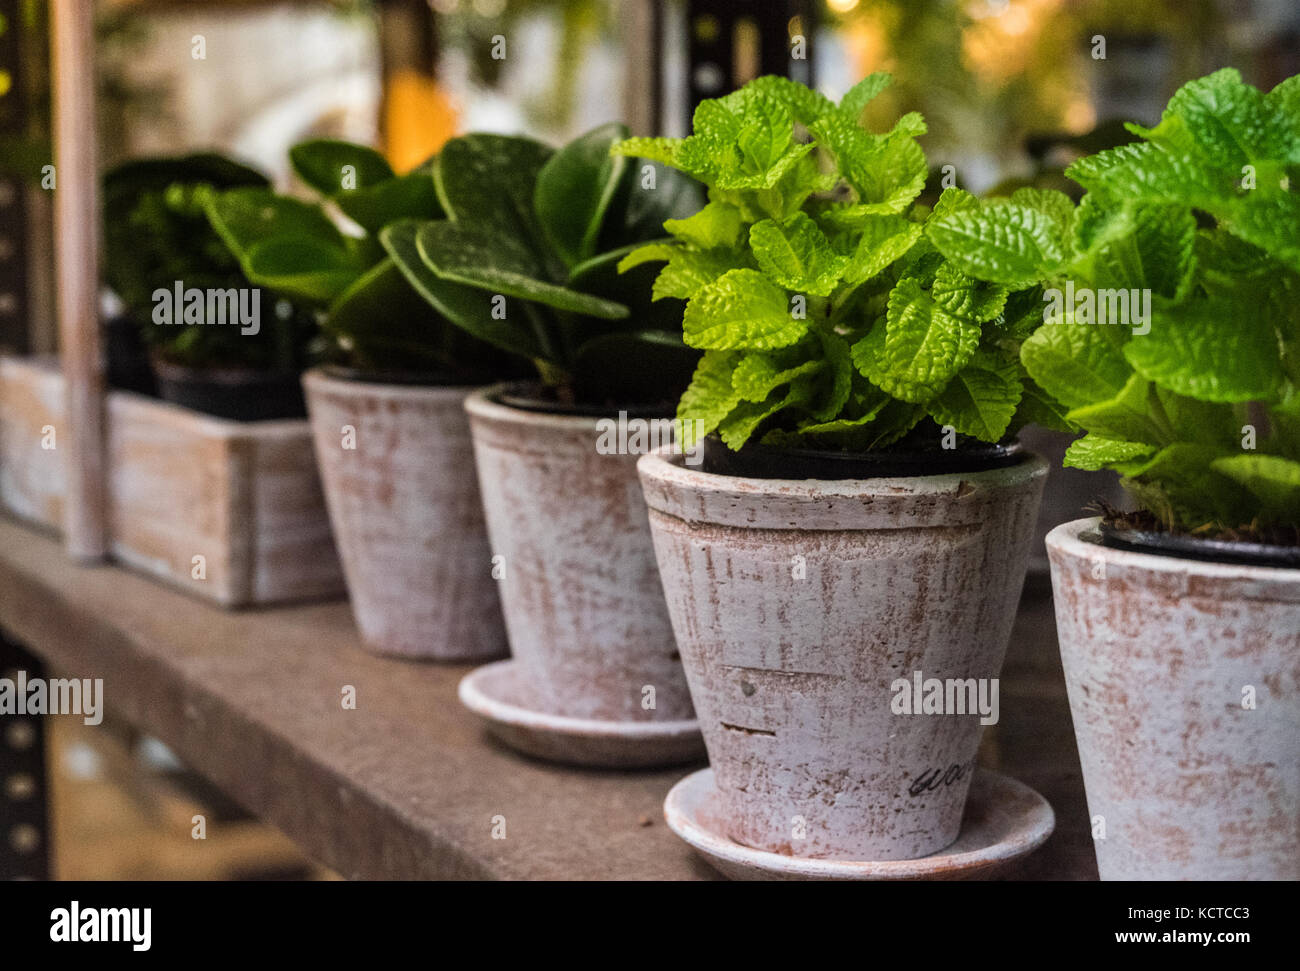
(31, 477)
(243, 496)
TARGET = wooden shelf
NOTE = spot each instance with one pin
(407, 785)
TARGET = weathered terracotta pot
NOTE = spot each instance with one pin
(798, 604)
(406, 514)
(580, 589)
(1184, 684)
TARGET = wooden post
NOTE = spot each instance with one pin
(76, 229)
(642, 23)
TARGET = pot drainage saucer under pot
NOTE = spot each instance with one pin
(1004, 821)
(492, 693)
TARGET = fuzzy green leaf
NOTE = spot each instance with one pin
(1273, 480)
(1180, 485)
(1002, 242)
(741, 309)
(924, 346)
(887, 171)
(1229, 123)
(964, 296)
(883, 240)
(1053, 204)
(797, 255)
(1037, 407)
(1127, 416)
(710, 397)
(981, 399)
(716, 225)
(758, 375)
(662, 150)
(740, 425)
(1075, 363)
(1214, 350)
(857, 98)
(690, 271)
(1093, 452)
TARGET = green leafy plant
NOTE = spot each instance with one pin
(827, 317)
(1197, 404)
(156, 235)
(325, 253)
(525, 258)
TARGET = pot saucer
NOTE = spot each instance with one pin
(1004, 821)
(492, 693)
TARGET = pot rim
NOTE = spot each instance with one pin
(1067, 542)
(482, 403)
(917, 501)
(321, 380)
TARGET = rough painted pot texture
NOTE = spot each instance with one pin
(579, 586)
(405, 509)
(1184, 684)
(798, 605)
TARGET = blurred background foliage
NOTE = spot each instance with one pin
(989, 75)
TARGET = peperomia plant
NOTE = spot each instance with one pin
(157, 238)
(1172, 305)
(827, 318)
(375, 320)
(526, 259)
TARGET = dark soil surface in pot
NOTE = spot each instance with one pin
(535, 396)
(128, 359)
(758, 461)
(239, 394)
(1142, 532)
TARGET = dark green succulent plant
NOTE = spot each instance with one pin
(326, 254)
(526, 254)
(157, 237)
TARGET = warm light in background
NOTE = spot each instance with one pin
(842, 6)
(1080, 116)
(998, 45)
(419, 118)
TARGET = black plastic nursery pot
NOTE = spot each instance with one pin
(238, 394)
(758, 461)
(537, 397)
(445, 378)
(1200, 548)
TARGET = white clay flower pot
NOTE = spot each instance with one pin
(798, 605)
(397, 468)
(1184, 685)
(579, 586)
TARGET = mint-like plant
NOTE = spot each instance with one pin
(326, 254)
(156, 234)
(526, 253)
(827, 317)
(1196, 401)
